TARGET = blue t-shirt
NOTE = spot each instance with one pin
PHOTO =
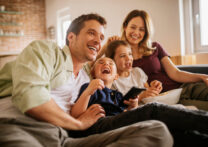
(110, 100)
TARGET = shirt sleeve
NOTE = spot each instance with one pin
(143, 77)
(161, 52)
(31, 75)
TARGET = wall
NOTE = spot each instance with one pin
(32, 24)
(202, 58)
(165, 15)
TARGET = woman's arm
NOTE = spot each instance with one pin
(82, 103)
(181, 76)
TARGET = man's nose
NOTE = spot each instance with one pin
(97, 39)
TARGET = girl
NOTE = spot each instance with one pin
(121, 53)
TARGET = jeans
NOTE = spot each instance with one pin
(178, 120)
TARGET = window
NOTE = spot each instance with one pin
(200, 25)
(194, 22)
(63, 22)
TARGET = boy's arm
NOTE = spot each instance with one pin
(82, 103)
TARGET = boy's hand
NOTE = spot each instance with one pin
(157, 85)
(132, 103)
(94, 85)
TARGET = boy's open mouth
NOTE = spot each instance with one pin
(106, 71)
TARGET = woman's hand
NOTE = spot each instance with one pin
(112, 38)
(132, 103)
(103, 49)
(205, 79)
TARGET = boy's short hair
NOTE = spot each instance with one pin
(92, 70)
(112, 46)
(78, 23)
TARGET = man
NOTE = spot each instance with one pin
(44, 82)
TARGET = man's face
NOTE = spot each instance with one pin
(86, 45)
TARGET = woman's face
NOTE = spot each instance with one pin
(135, 30)
(123, 59)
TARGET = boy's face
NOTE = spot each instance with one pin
(85, 45)
(123, 58)
(105, 69)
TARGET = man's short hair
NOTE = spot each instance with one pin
(78, 23)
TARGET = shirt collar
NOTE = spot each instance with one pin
(69, 62)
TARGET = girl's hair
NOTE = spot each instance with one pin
(112, 46)
(145, 46)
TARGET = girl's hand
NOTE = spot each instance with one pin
(94, 85)
(149, 92)
(156, 85)
(132, 103)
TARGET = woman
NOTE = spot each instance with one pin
(154, 60)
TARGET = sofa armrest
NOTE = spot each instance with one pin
(199, 68)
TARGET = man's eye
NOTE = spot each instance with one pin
(91, 33)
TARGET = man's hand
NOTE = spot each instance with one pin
(91, 115)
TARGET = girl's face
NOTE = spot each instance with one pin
(123, 59)
(105, 69)
(135, 30)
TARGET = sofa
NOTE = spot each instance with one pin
(199, 68)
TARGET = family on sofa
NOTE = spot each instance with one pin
(44, 82)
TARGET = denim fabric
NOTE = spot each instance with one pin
(178, 120)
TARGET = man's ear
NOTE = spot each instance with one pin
(71, 36)
(116, 77)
